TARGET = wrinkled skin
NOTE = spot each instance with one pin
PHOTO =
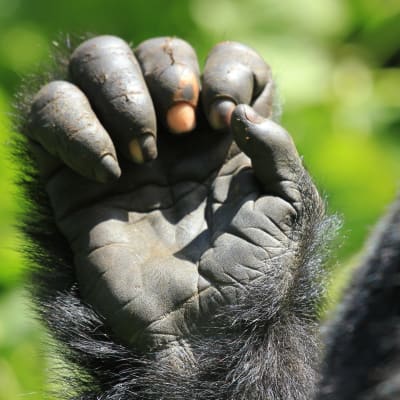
(160, 245)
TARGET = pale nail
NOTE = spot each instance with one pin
(136, 151)
(181, 118)
(220, 113)
(143, 148)
(108, 169)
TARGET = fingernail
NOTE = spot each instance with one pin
(181, 118)
(220, 113)
(108, 169)
(136, 151)
(252, 116)
(148, 144)
(143, 148)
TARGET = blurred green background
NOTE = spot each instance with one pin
(337, 64)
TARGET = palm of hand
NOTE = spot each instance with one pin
(162, 248)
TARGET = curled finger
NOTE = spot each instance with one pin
(235, 74)
(171, 72)
(106, 70)
(62, 121)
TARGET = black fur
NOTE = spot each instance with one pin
(363, 357)
(267, 347)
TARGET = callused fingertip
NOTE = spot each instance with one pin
(240, 123)
(181, 118)
(143, 148)
(108, 169)
(220, 113)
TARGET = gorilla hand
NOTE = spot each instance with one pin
(166, 228)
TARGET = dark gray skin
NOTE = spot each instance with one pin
(160, 245)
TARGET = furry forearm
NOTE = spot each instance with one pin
(273, 358)
(363, 341)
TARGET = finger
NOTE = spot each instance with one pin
(235, 74)
(274, 157)
(171, 71)
(62, 121)
(106, 70)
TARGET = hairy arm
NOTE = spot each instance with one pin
(362, 349)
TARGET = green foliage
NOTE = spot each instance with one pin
(337, 67)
